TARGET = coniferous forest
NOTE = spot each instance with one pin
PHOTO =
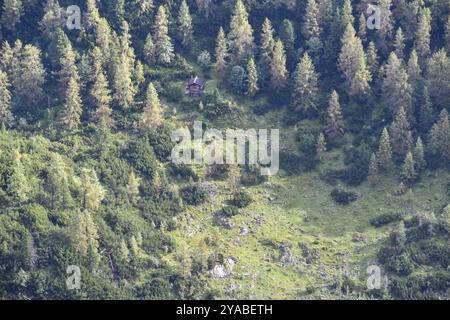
(93, 205)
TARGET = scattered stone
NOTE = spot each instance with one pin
(243, 232)
(310, 255)
(219, 271)
(220, 220)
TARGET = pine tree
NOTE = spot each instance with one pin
(396, 90)
(321, 146)
(149, 50)
(185, 24)
(91, 191)
(310, 26)
(400, 133)
(71, 113)
(414, 71)
(335, 124)
(252, 75)
(163, 43)
(101, 97)
(399, 44)
(384, 154)
(372, 58)
(241, 33)
(305, 86)
(5, 98)
(419, 155)
(83, 234)
(279, 73)
(422, 41)
(352, 63)
(438, 76)
(152, 116)
(12, 11)
(408, 173)
(267, 45)
(373, 170)
(221, 51)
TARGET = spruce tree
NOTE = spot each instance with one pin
(439, 137)
(149, 50)
(362, 29)
(335, 124)
(438, 76)
(279, 73)
(413, 69)
(72, 109)
(17, 185)
(321, 146)
(424, 108)
(372, 58)
(152, 116)
(447, 35)
(310, 26)
(185, 24)
(305, 86)
(252, 75)
(384, 154)
(221, 51)
(83, 234)
(163, 42)
(101, 97)
(241, 33)
(92, 16)
(352, 63)
(91, 191)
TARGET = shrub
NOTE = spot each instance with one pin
(252, 176)
(142, 156)
(385, 219)
(230, 211)
(238, 78)
(343, 197)
(161, 143)
(241, 199)
(182, 171)
(193, 195)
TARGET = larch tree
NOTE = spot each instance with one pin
(5, 98)
(252, 76)
(241, 33)
(335, 123)
(57, 183)
(221, 51)
(305, 84)
(163, 43)
(101, 98)
(83, 234)
(386, 23)
(373, 172)
(17, 185)
(12, 11)
(419, 155)
(72, 108)
(408, 173)
(310, 25)
(279, 73)
(352, 64)
(413, 69)
(396, 90)
(384, 153)
(362, 27)
(372, 58)
(423, 34)
(400, 133)
(439, 137)
(92, 192)
(68, 68)
(185, 24)
(92, 16)
(152, 117)
(51, 21)
(149, 49)
(267, 45)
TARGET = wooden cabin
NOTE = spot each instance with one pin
(195, 86)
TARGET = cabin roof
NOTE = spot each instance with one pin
(196, 81)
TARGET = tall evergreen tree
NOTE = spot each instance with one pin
(335, 124)
(401, 136)
(419, 155)
(241, 33)
(163, 42)
(362, 29)
(372, 58)
(396, 89)
(252, 75)
(5, 98)
(152, 116)
(384, 154)
(399, 43)
(305, 86)
(279, 73)
(18, 186)
(310, 26)
(185, 24)
(12, 11)
(321, 146)
(267, 45)
(221, 51)
(439, 137)
(83, 234)
(373, 173)
(101, 97)
(149, 49)
(91, 191)
(413, 69)
(408, 173)
(423, 33)
(438, 76)
(72, 109)
(352, 63)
